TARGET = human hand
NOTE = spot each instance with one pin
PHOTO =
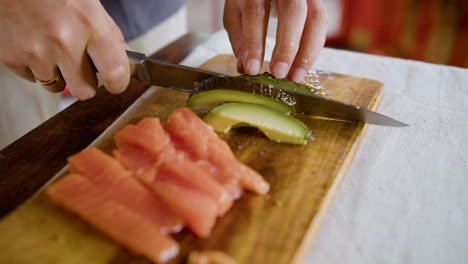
(301, 32)
(44, 38)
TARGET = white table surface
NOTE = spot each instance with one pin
(405, 197)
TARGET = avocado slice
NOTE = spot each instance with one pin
(259, 84)
(276, 125)
(212, 98)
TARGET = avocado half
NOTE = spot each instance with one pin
(212, 98)
(276, 125)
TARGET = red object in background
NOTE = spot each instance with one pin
(428, 19)
(65, 92)
(460, 53)
(434, 30)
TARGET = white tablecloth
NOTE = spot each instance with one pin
(405, 197)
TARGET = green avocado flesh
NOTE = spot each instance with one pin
(267, 79)
(211, 99)
(276, 125)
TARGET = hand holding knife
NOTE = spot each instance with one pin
(183, 78)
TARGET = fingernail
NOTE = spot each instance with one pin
(280, 69)
(253, 66)
(298, 75)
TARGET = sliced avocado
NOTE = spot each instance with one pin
(259, 84)
(212, 98)
(267, 78)
(274, 124)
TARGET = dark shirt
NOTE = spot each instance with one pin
(135, 17)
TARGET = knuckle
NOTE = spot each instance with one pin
(33, 52)
(253, 44)
(305, 62)
(285, 53)
(254, 49)
(255, 9)
(60, 37)
(319, 13)
(295, 6)
(288, 49)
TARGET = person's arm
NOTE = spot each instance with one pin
(43, 38)
(301, 32)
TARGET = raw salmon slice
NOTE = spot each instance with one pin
(228, 163)
(147, 134)
(169, 162)
(199, 139)
(137, 160)
(183, 170)
(111, 176)
(231, 185)
(81, 196)
(174, 166)
(194, 137)
(197, 210)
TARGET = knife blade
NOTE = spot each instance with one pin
(184, 78)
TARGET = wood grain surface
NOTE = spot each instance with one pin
(277, 228)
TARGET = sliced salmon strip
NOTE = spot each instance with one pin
(228, 163)
(184, 170)
(137, 160)
(81, 196)
(252, 180)
(197, 138)
(148, 134)
(231, 185)
(110, 175)
(190, 134)
(197, 210)
(177, 167)
(170, 162)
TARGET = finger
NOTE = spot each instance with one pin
(313, 40)
(46, 73)
(57, 85)
(79, 76)
(41, 63)
(233, 25)
(232, 21)
(291, 18)
(255, 15)
(106, 50)
(44, 69)
(22, 71)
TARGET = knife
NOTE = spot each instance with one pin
(183, 78)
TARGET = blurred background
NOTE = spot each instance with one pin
(433, 31)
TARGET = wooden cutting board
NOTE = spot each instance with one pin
(277, 228)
